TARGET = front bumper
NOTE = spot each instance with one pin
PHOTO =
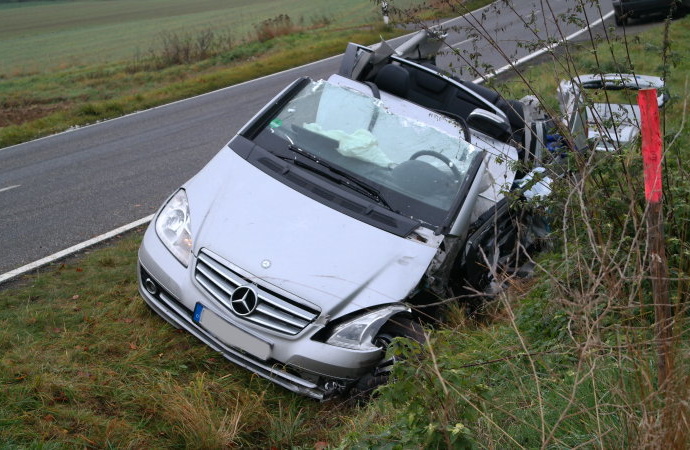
(297, 362)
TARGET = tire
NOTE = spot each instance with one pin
(399, 326)
(620, 18)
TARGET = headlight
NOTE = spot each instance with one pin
(359, 333)
(173, 227)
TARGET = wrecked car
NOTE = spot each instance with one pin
(314, 237)
(599, 110)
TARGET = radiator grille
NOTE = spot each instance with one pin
(272, 310)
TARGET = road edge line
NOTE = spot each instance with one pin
(74, 249)
(540, 52)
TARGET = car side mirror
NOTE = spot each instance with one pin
(490, 124)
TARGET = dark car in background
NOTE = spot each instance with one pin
(626, 9)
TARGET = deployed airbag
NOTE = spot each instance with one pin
(360, 144)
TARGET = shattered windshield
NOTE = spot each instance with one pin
(414, 158)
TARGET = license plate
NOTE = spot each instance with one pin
(229, 334)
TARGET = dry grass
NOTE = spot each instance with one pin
(202, 413)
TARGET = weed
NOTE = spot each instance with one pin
(280, 25)
(202, 413)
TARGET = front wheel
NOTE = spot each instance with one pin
(395, 327)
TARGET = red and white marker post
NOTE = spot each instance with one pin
(652, 158)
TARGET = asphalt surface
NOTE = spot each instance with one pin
(61, 190)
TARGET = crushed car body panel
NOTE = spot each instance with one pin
(605, 125)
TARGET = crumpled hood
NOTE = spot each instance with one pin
(288, 240)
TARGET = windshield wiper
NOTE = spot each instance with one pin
(344, 178)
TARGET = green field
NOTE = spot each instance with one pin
(40, 36)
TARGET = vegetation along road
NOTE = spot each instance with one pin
(61, 190)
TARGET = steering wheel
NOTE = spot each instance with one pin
(444, 158)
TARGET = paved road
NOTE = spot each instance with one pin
(59, 191)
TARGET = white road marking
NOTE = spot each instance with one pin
(75, 248)
(9, 187)
(68, 251)
(464, 42)
(548, 48)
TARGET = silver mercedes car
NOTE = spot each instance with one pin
(319, 232)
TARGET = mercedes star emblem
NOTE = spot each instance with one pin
(244, 301)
